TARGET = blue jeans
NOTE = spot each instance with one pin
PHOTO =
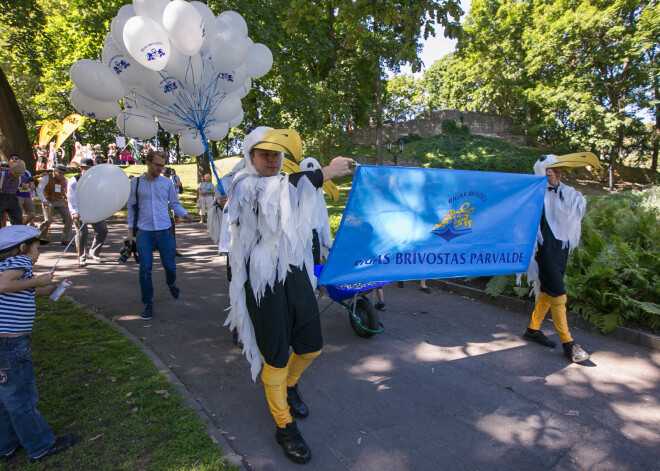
(146, 242)
(20, 422)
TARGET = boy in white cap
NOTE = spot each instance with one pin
(558, 234)
(273, 305)
(20, 422)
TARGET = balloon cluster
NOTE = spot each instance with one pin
(175, 64)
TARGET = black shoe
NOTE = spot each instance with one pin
(399, 284)
(380, 305)
(178, 254)
(62, 443)
(291, 441)
(148, 311)
(10, 455)
(297, 407)
(538, 337)
(174, 291)
(574, 352)
(427, 290)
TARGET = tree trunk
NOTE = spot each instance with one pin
(656, 133)
(13, 132)
(379, 118)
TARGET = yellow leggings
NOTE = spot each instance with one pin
(276, 381)
(557, 306)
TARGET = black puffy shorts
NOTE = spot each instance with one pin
(287, 316)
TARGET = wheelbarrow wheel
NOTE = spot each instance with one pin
(368, 316)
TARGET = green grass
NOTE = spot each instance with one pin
(96, 383)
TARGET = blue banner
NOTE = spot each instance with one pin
(404, 223)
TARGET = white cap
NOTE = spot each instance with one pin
(12, 236)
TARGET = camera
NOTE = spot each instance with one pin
(126, 251)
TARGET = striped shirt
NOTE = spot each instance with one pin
(17, 309)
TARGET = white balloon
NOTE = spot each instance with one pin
(245, 89)
(217, 131)
(237, 120)
(147, 42)
(95, 80)
(258, 61)
(171, 123)
(209, 23)
(128, 71)
(231, 81)
(249, 41)
(163, 88)
(191, 143)
(137, 125)
(92, 108)
(177, 63)
(108, 39)
(126, 10)
(231, 19)
(228, 49)
(194, 72)
(185, 26)
(101, 192)
(209, 73)
(151, 8)
(117, 28)
(228, 108)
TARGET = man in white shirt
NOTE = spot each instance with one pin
(100, 227)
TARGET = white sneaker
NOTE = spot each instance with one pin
(95, 258)
(81, 263)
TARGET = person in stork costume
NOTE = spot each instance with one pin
(558, 234)
(273, 306)
(322, 239)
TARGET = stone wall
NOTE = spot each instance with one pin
(483, 124)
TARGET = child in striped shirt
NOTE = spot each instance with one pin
(20, 422)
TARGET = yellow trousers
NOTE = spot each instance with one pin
(276, 381)
(557, 306)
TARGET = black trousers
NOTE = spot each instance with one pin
(287, 316)
(9, 204)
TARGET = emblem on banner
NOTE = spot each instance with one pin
(455, 223)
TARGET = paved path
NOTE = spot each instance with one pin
(449, 385)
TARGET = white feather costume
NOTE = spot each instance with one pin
(320, 220)
(564, 210)
(271, 229)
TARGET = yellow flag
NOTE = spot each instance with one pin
(69, 124)
(48, 130)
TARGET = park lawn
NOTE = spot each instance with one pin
(94, 382)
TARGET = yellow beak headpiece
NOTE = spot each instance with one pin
(579, 159)
(282, 140)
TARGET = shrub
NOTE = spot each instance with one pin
(449, 126)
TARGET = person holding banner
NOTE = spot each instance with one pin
(273, 305)
(100, 227)
(558, 235)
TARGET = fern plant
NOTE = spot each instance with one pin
(613, 277)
